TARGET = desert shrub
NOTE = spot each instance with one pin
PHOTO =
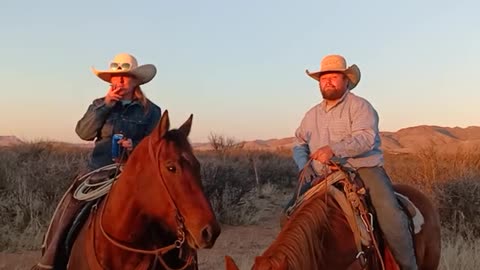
(33, 177)
(460, 252)
(459, 206)
(451, 180)
(274, 168)
(229, 176)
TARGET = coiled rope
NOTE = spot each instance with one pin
(89, 191)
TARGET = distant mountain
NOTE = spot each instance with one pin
(13, 140)
(407, 140)
(9, 140)
(271, 144)
(447, 139)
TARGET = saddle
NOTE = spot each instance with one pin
(87, 189)
(347, 189)
(91, 190)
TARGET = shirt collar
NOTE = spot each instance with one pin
(122, 104)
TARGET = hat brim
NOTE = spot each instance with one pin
(353, 74)
(143, 73)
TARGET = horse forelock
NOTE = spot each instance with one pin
(181, 143)
(178, 138)
(300, 241)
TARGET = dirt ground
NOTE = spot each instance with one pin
(243, 243)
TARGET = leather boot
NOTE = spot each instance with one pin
(62, 219)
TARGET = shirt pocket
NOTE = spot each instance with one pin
(339, 129)
(134, 128)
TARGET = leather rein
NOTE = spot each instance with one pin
(159, 252)
(361, 260)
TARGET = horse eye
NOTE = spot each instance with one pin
(171, 168)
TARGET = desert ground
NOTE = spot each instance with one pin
(243, 243)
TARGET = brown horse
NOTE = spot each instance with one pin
(156, 214)
(318, 236)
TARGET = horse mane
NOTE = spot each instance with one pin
(301, 239)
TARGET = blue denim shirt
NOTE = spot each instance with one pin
(100, 123)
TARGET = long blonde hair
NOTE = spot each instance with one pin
(140, 96)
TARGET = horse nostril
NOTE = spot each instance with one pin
(207, 234)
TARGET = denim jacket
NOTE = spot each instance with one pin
(100, 123)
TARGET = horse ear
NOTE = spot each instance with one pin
(162, 127)
(187, 126)
(230, 263)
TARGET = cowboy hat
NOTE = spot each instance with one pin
(337, 63)
(126, 64)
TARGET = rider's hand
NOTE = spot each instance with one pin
(114, 94)
(126, 143)
(323, 154)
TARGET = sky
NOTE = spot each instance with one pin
(238, 66)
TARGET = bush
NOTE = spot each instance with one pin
(452, 181)
(34, 176)
(228, 177)
(459, 206)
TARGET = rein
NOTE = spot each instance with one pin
(159, 251)
(352, 192)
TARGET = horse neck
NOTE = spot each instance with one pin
(302, 237)
(122, 218)
(125, 219)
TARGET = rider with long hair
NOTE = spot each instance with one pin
(124, 112)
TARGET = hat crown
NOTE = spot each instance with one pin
(337, 63)
(333, 62)
(126, 64)
(122, 58)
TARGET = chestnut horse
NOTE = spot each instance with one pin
(155, 215)
(318, 236)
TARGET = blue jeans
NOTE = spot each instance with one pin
(392, 220)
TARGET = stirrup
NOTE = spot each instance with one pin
(43, 266)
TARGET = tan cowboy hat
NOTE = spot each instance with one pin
(125, 63)
(337, 63)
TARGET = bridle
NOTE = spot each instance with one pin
(159, 252)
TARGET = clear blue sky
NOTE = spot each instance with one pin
(239, 66)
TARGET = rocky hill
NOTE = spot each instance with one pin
(407, 140)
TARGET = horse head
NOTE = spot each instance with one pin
(171, 191)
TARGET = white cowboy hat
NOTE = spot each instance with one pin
(125, 63)
(337, 63)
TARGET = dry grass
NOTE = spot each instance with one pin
(231, 183)
(244, 188)
(451, 181)
(33, 177)
(460, 253)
